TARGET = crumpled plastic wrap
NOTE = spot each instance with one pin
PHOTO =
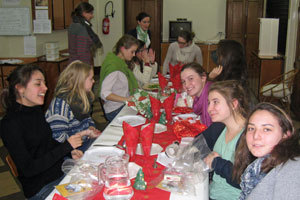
(84, 180)
(188, 169)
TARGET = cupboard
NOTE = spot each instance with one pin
(59, 12)
(261, 70)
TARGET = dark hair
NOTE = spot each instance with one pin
(231, 55)
(20, 75)
(125, 41)
(196, 67)
(82, 7)
(141, 16)
(187, 35)
(287, 148)
(135, 59)
(230, 90)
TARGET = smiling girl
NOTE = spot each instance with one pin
(268, 156)
(194, 82)
(142, 31)
(228, 104)
(69, 112)
(28, 137)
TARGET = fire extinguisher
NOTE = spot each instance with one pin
(105, 26)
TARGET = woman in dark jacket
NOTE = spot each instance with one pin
(142, 31)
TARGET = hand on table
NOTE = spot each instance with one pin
(76, 154)
(210, 158)
(75, 140)
(95, 132)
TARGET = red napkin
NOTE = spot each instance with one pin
(146, 138)
(155, 108)
(168, 105)
(131, 138)
(163, 82)
(175, 70)
(176, 83)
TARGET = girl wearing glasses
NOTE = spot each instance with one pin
(183, 51)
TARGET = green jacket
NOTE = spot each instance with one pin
(113, 63)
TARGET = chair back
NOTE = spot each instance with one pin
(101, 104)
(12, 165)
(281, 86)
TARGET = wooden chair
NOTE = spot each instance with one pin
(279, 89)
(12, 165)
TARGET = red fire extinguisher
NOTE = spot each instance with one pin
(105, 26)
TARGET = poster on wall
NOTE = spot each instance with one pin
(41, 4)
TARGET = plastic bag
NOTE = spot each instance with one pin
(84, 180)
(188, 169)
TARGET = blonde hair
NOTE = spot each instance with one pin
(71, 82)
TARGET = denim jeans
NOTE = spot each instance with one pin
(46, 190)
(110, 116)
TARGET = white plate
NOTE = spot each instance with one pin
(132, 120)
(155, 149)
(159, 128)
(98, 155)
(185, 116)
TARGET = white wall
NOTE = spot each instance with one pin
(208, 17)
(116, 26)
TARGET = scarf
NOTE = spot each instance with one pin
(182, 54)
(143, 35)
(251, 177)
(113, 63)
(77, 106)
(200, 105)
(94, 37)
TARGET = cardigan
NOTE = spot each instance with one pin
(28, 139)
(221, 166)
(64, 124)
(282, 182)
(145, 76)
(80, 44)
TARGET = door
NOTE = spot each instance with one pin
(242, 23)
(154, 9)
(254, 11)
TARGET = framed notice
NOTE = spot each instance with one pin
(15, 21)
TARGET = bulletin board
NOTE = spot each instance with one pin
(15, 21)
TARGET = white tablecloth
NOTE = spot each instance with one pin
(111, 135)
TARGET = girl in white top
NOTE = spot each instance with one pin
(144, 65)
(183, 51)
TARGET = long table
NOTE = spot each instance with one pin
(112, 135)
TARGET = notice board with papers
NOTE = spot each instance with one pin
(15, 21)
